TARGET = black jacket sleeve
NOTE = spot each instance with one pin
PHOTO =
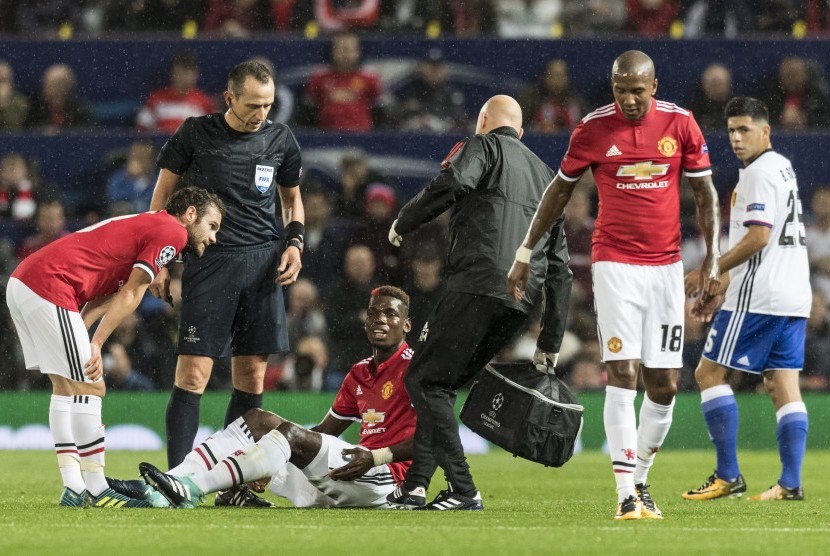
(557, 290)
(460, 175)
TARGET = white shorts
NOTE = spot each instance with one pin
(312, 487)
(640, 312)
(55, 340)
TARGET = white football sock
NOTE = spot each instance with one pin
(219, 445)
(621, 431)
(60, 424)
(257, 461)
(655, 422)
(89, 436)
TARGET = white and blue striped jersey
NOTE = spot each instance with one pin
(776, 279)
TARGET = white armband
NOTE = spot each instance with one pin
(523, 254)
(382, 456)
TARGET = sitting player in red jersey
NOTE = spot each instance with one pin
(313, 467)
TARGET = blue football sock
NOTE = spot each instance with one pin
(721, 414)
(792, 442)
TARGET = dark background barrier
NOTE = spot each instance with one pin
(115, 76)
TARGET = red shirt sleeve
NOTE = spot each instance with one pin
(345, 403)
(160, 246)
(695, 150)
(578, 157)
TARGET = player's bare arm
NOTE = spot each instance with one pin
(165, 187)
(123, 303)
(363, 460)
(756, 238)
(95, 309)
(708, 219)
(292, 211)
(553, 202)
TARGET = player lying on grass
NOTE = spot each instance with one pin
(313, 467)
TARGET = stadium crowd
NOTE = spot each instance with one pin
(467, 18)
(346, 251)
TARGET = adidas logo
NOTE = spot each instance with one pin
(613, 151)
(358, 391)
(744, 360)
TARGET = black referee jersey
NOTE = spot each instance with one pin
(244, 169)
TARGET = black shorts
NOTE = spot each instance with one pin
(462, 334)
(230, 298)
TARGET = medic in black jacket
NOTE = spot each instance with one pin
(493, 183)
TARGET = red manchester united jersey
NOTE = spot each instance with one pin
(637, 166)
(345, 100)
(97, 260)
(374, 395)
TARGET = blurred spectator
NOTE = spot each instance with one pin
(237, 18)
(429, 102)
(473, 18)
(153, 15)
(817, 16)
(777, 16)
(166, 108)
(36, 17)
(816, 373)
(291, 15)
(119, 373)
(425, 286)
(593, 17)
(337, 15)
(306, 369)
(372, 230)
(305, 317)
(344, 96)
(585, 373)
(325, 239)
(282, 110)
(651, 18)
(14, 105)
(798, 97)
(132, 184)
(818, 239)
(718, 18)
(50, 223)
(345, 306)
(58, 106)
(710, 97)
(431, 16)
(17, 188)
(579, 231)
(355, 176)
(551, 105)
(538, 19)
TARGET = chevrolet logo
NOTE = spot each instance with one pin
(643, 170)
(372, 418)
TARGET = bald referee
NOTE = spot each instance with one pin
(492, 183)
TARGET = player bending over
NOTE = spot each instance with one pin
(313, 467)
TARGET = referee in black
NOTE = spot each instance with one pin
(493, 184)
(232, 297)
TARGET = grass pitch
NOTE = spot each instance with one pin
(529, 509)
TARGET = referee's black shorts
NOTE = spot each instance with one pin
(230, 299)
(462, 334)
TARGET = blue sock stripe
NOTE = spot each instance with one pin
(718, 402)
(793, 418)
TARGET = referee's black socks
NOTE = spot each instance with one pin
(240, 403)
(182, 423)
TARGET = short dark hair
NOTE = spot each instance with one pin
(185, 59)
(197, 197)
(747, 106)
(392, 291)
(240, 72)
